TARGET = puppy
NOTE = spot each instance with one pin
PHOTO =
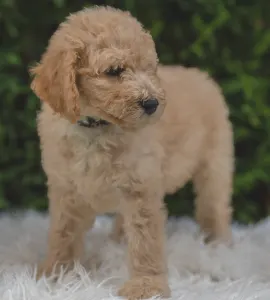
(110, 142)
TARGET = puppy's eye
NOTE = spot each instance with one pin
(115, 71)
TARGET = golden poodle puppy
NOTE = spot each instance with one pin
(111, 143)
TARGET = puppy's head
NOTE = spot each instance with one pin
(101, 62)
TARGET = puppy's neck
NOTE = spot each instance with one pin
(91, 122)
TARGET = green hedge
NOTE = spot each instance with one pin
(228, 38)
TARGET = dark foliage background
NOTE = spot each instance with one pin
(228, 38)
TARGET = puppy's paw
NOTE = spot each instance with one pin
(43, 269)
(51, 270)
(217, 239)
(145, 287)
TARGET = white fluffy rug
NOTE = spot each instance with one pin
(196, 271)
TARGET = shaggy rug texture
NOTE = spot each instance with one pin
(196, 271)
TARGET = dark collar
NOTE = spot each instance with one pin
(92, 122)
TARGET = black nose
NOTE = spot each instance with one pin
(149, 105)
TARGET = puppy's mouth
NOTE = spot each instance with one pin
(92, 122)
(101, 119)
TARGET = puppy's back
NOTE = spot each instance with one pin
(192, 93)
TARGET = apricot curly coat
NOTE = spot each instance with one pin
(128, 166)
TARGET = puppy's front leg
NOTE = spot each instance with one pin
(144, 221)
(69, 220)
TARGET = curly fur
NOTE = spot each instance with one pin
(128, 166)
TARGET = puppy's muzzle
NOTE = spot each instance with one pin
(149, 105)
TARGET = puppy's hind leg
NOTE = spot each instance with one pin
(118, 233)
(213, 186)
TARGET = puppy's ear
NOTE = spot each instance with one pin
(55, 81)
